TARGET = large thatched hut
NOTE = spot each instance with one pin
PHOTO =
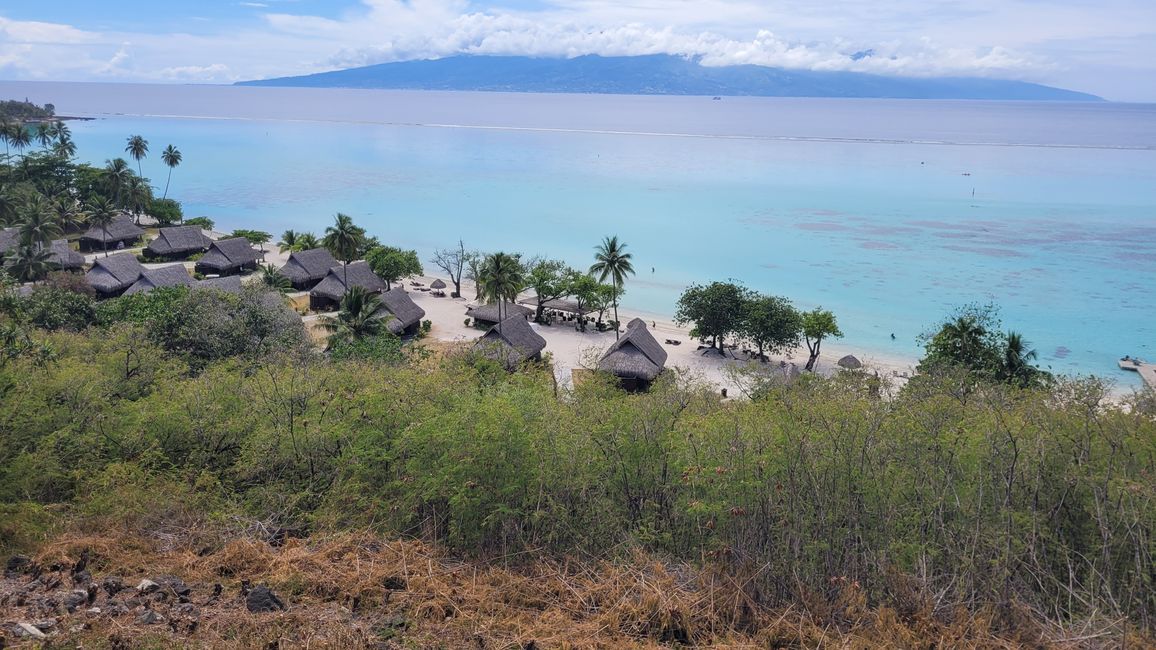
(229, 256)
(636, 358)
(489, 315)
(327, 295)
(406, 315)
(112, 275)
(306, 268)
(179, 242)
(165, 276)
(121, 233)
(61, 256)
(512, 344)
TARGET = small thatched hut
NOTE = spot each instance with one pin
(636, 358)
(514, 343)
(850, 362)
(111, 275)
(488, 315)
(328, 293)
(64, 258)
(121, 233)
(179, 242)
(165, 276)
(406, 315)
(306, 268)
(229, 256)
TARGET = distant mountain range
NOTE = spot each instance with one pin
(659, 74)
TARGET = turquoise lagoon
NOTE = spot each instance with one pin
(890, 213)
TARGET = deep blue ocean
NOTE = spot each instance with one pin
(889, 212)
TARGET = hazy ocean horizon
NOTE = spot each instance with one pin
(888, 212)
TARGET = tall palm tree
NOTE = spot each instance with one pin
(116, 180)
(965, 338)
(138, 148)
(612, 261)
(307, 241)
(64, 147)
(38, 223)
(44, 134)
(171, 156)
(272, 277)
(61, 131)
(138, 197)
(1017, 360)
(69, 215)
(9, 206)
(502, 278)
(343, 239)
(19, 137)
(7, 127)
(28, 263)
(358, 317)
(288, 241)
(101, 213)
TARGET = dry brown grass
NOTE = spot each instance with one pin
(360, 590)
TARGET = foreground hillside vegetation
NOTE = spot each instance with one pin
(417, 500)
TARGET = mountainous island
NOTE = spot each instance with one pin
(659, 74)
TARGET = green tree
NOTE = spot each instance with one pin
(612, 261)
(38, 225)
(172, 158)
(204, 223)
(502, 279)
(1016, 364)
(360, 316)
(969, 338)
(272, 277)
(818, 325)
(392, 264)
(258, 237)
(69, 214)
(288, 241)
(165, 211)
(28, 262)
(307, 241)
(717, 310)
(138, 148)
(590, 296)
(116, 177)
(101, 214)
(550, 280)
(772, 324)
(343, 239)
(44, 134)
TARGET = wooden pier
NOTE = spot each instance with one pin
(1147, 370)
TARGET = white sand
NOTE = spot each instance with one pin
(571, 349)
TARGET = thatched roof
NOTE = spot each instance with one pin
(179, 240)
(437, 284)
(308, 266)
(64, 257)
(360, 275)
(165, 276)
(489, 313)
(121, 229)
(405, 311)
(850, 362)
(511, 344)
(636, 355)
(558, 304)
(229, 283)
(114, 273)
(229, 255)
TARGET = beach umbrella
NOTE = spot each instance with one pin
(850, 362)
(437, 284)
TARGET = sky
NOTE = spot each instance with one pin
(1106, 47)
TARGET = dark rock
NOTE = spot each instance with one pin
(17, 565)
(262, 599)
(74, 599)
(187, 609)
(80, 565)
(27, 630)
(394, 582)
(46, 625)
(147, 586)
(174, 585)
(112, 585)
(149, 617)
(82, 577)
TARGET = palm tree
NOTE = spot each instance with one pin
(6, 129)
(64, 147)
(1017, 357)
(343, 239)
(171, 157)
(29, 263)
(288, 241)
(69, 216)
(101, 213)
(19, 137)
(272, 277)
(611, 261)
(307, 241)
(139, 196)
(502, 278)
(44, 134)
(9, 207)
(138, 148)
(116, 174)
(965, 338)
(39, 226)
(358, 318)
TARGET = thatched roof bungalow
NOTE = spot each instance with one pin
(121, 233)
(229, 256)
(514, 343)
(112, 275)
(488, 315)
(62, 257)
(328, 293)
(306, 268)
(636, 358)
(406, 315)
(165, 276)
(179, 242)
